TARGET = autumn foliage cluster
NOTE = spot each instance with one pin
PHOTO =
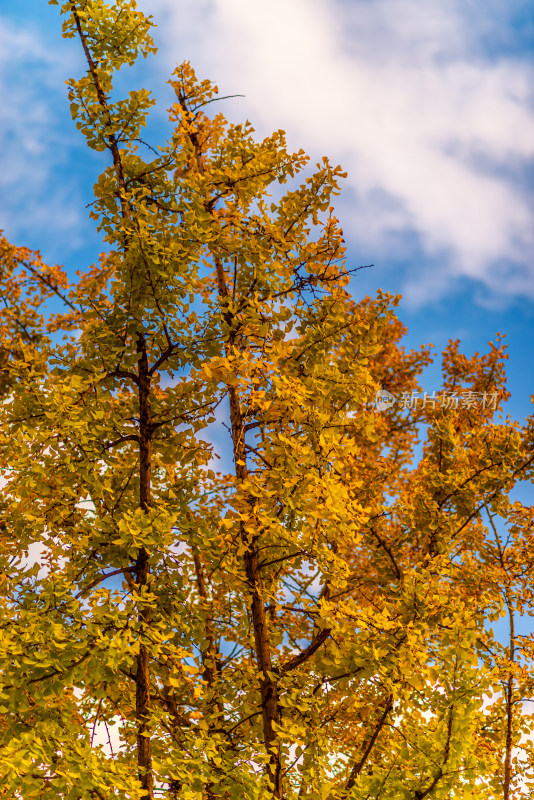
(224, 572)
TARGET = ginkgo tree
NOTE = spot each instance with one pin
(311, 622)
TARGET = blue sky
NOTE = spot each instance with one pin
(429, 107)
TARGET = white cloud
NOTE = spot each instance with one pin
(32, 77)
(432, 132)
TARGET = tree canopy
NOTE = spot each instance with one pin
(226, 572)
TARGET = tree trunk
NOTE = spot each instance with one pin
(142, 693)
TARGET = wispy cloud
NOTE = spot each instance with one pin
(33, 197)
(423, 103)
